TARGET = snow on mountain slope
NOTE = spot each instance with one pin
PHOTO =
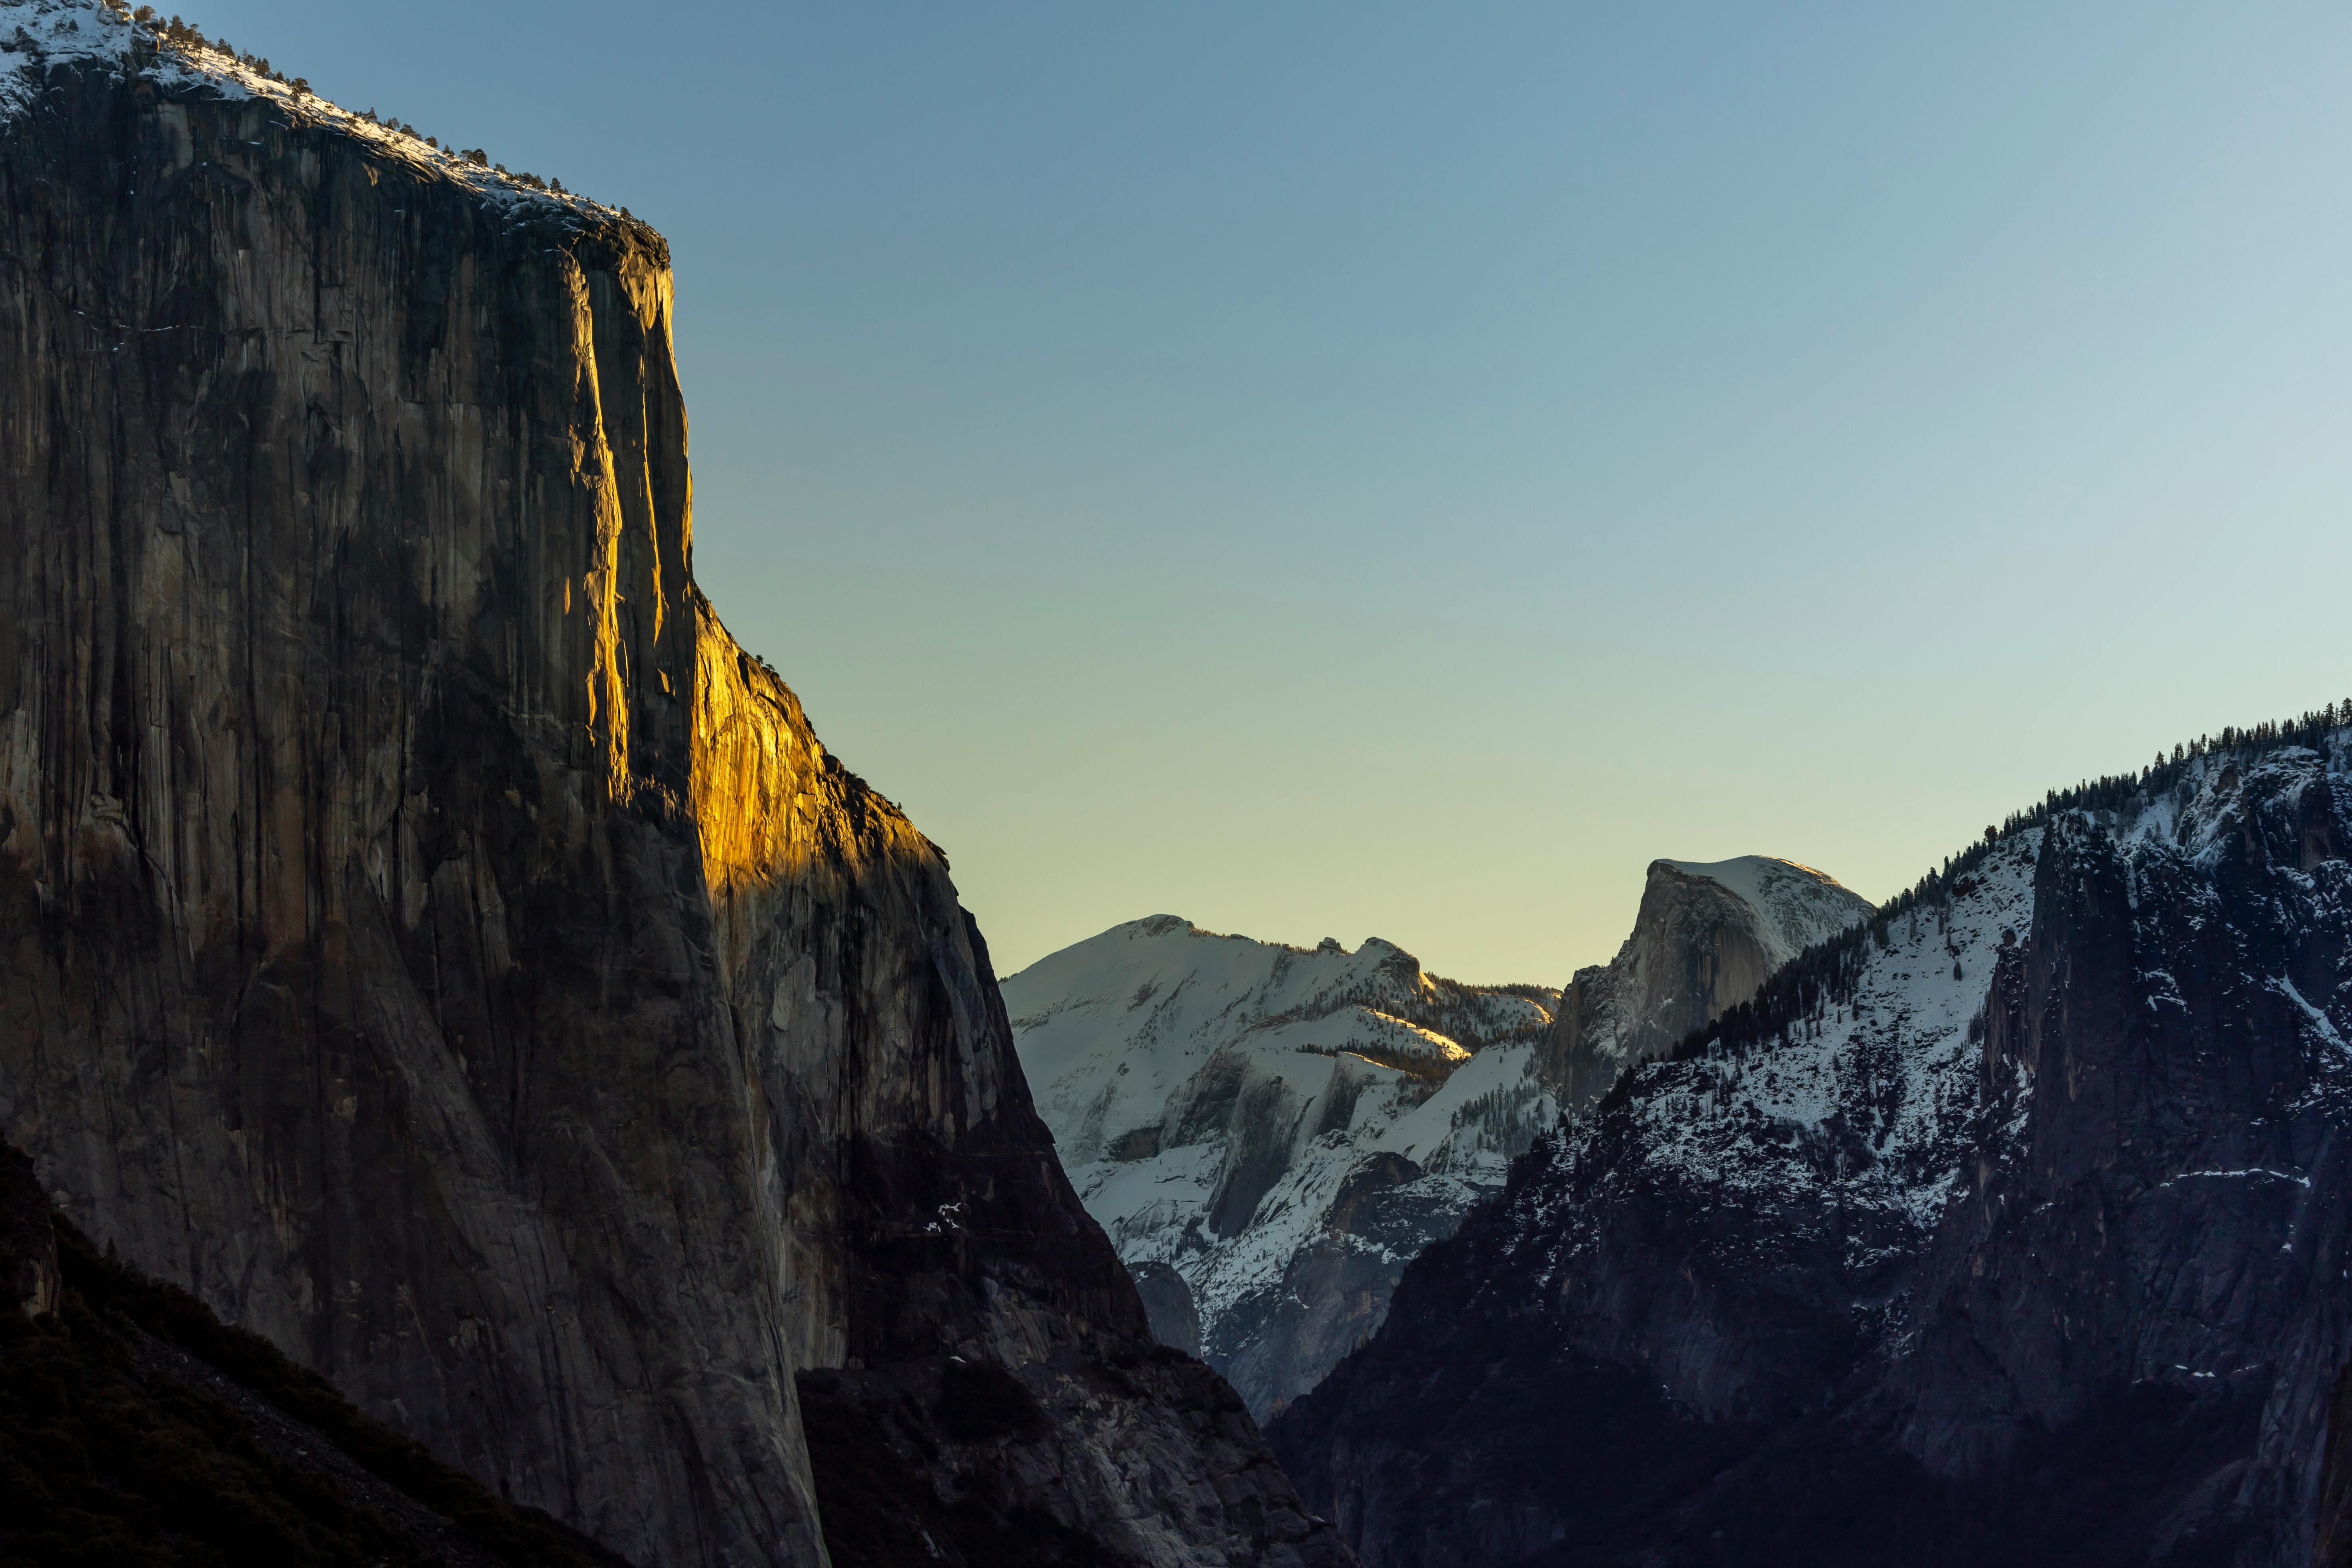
(37, 34)
(1796, 906)
(1268, 1133)
(1860, 1108)
(2007, 1227)
(1707, 936)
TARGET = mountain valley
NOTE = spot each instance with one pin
(1270, 1133)
(482, 1083)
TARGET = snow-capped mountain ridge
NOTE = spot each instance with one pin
(2036, 1173)
(1874, 1081)
(1112, 1028)
(2189, 803)
(1269, 1133)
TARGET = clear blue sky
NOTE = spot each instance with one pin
(1373, 469)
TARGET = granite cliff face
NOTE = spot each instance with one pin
(1707, 934)
(428, 938)
(2009, 1230)
(1269, 1133)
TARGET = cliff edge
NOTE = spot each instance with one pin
(425, 936)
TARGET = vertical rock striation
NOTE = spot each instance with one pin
(423, 932)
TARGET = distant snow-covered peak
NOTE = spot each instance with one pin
(1269, 1133)
(1110, 1026)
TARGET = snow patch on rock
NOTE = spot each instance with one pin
(1869, 1100)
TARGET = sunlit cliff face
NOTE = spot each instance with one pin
(425, 934)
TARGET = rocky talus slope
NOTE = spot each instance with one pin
(1271, 1133)
(1707, 936)
(2009, 1230)
(426, 937)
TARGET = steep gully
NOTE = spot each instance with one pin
(428, 938)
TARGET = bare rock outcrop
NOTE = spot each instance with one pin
(1707, 934)
(423, 933)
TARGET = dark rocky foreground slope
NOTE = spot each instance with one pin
(136, 1430)
(425, 936)
(2009, 1230)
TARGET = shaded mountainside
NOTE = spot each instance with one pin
(136, 1428)
(1270, 1133)
(1707, 934)
(2008, 1230)
(425, 936)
